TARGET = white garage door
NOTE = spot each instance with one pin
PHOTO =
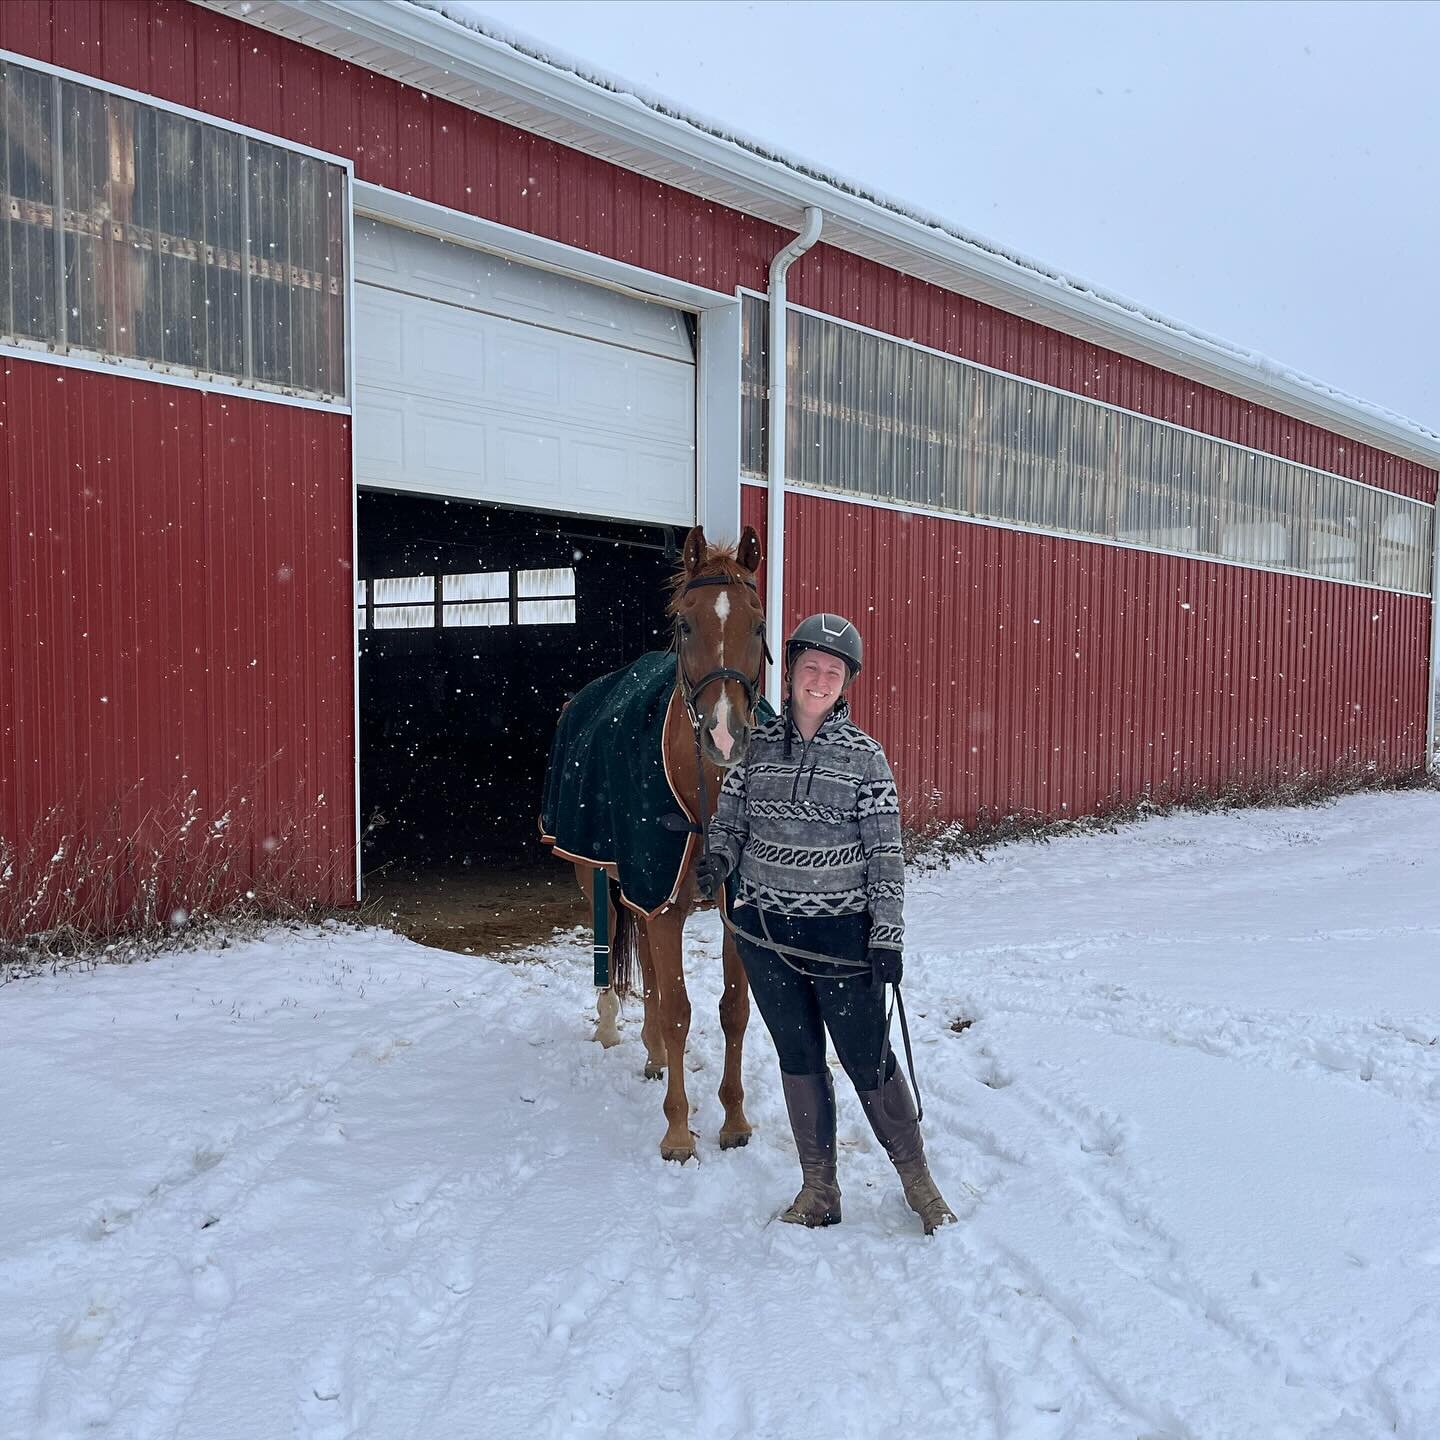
(487, 380)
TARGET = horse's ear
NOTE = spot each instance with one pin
(748, 551)
(694, 551)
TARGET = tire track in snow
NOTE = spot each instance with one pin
(1398, 1058)
(127, 1328)
(1108, 1196)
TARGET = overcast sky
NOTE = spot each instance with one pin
(1266, 173)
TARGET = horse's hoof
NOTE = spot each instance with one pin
(734, 1139)
(653, 1071)
(679, 1153)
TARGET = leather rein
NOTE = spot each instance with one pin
(790, 955)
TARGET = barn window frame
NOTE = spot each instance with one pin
(245, 284)
(974, 443)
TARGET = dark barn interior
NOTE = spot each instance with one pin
(475, 624)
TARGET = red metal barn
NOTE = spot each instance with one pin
(359, 372)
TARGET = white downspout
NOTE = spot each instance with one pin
(1432, 745)
(775, 431)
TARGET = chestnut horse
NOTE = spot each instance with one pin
(720, 644)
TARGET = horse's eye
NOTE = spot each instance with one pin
(684, 627)
(760, 629)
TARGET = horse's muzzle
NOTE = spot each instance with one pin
(739, 744)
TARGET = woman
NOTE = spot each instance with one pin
(810, 826)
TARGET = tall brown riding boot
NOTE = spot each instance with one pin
(891, 1112)
(810, 1099)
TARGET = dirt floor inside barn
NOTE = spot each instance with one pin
(478, 910)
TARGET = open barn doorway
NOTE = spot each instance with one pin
(475, 624)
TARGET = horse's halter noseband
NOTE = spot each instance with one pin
(691, 688)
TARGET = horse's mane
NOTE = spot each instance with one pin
(718, 560)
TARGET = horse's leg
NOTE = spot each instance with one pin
(607, 1016)
(734, 1015)
(652, 1032)
(607, 1003)
(667, 933)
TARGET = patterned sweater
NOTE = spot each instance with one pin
(815, 831)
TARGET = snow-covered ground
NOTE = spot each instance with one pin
(334, 1184)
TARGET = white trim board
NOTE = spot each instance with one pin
(375, 202)
(121, 369)
(794, 488)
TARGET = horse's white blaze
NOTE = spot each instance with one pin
(722, 614)
(720, 727)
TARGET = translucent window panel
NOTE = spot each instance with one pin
(482, 585)
(480, 612)
(405, 590)
(871, 416)
(1264, 541)
(29, 292)
(126, 233)
(546, 612)
(557, 581)
(404, 617)
(359, 604)
(295, 268)
(754, 386)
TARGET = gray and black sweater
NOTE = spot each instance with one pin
(814, 826)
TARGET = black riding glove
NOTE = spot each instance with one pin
(710, 873)
(886, 965)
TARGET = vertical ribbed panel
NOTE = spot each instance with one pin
(149, 524)
(1010, 673)
(400, 138)
(176, 567)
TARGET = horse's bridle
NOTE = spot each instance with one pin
(691, 689)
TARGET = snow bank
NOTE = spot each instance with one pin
(333, 1184)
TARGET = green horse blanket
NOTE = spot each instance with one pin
(606, 788)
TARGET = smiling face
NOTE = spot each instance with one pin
(817, 680)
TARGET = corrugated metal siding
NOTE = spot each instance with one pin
(405, 140)
(176, 568)
(1015, 673)
(1020, 673)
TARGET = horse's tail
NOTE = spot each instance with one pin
(624, 945)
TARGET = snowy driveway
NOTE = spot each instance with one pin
(338, 1185)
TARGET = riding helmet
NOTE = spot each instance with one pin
(833, 634)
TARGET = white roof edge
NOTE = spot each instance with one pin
(433, 53)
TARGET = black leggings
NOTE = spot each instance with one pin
(798, 1010)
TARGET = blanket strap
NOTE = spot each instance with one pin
(602, 929)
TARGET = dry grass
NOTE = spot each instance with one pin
(76, 896)
(935, 844)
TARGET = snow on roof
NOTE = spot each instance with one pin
(1066, 284)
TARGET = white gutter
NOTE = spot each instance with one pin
(775, 440)
(441, 57)
(1432, 708)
